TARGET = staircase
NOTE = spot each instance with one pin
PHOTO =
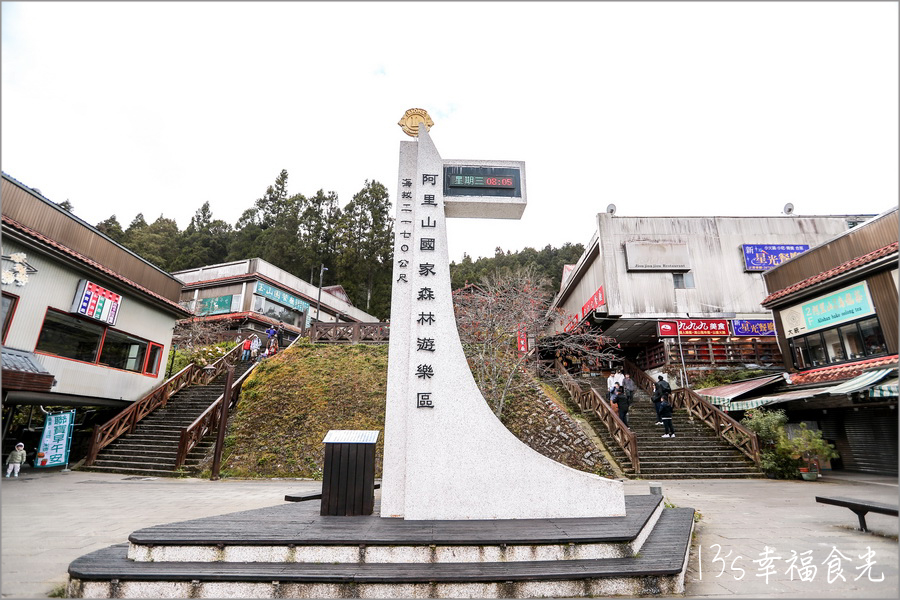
(694, 453)
(153, 446)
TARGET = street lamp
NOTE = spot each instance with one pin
(319, 301)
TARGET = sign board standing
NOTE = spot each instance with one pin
(56, 441)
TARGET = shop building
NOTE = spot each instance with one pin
(252, 294)
(86, 322)
(836, 315)
(676, 291)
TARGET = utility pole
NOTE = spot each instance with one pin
(319, 301)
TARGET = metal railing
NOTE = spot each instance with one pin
(127, 420)
(725, 427)
(592, 401)
(350, 333)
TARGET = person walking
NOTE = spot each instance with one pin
(15, 460)
(661, 388)
(270, 333)
(280, 334)
(610, 384)
(629, 387)
(665, 414)
(246, 347)
(623, 402)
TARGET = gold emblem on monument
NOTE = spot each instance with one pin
(410, 120)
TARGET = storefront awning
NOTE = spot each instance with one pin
(888, 389)
(725, 394)
(861, 382)
(774, 399)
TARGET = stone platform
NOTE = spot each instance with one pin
(292, 551)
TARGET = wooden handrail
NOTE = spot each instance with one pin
(209, 419)
(592, 401)
(725, 427)
(350, 333)
(127, 420)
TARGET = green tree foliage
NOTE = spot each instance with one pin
(365, 235)
(547, 263)
(204, 242)
(112, 228)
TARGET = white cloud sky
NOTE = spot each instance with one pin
(660, 108)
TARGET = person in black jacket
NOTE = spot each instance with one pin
(660, 388)
(665, 414)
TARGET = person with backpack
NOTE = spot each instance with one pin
(246, 347)
(661, 388)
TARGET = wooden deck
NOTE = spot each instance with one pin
(301, 524)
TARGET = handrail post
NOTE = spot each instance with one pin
(223, 423)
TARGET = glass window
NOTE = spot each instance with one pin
(833, 348)
(153, 359)
(801, 353)
(276, 311)
(683, 281)
(816, 350)
(872, 337)
(70, 337)
(121, 351)
(9, 307)
(852, 341)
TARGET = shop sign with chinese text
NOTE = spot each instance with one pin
(281, 297)
(693, 327)
(762, 257)
(752, 327)
(56, 440)
(593, 302)
(96, 302)
(847, 304)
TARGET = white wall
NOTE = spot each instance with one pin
(54, 285)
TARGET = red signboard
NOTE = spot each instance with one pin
(593, 302)
(693, 327)
(522, 339)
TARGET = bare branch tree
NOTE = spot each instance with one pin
(502, 309)
(195, 332)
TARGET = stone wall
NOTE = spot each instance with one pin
(547, 428)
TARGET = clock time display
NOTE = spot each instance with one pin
(482, 181)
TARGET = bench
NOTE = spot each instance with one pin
(860, 507)
(310, 495)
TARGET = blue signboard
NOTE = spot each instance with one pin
(272, 293)
(752, 327)
(762, 257)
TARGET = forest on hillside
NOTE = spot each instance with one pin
(300, 233)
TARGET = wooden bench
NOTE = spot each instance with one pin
(860, 507)
(310, 495)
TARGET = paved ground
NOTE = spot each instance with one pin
(50, 519)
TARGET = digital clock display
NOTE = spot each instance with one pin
(482, 181)
(465, 180)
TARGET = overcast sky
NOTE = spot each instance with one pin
(708, 108)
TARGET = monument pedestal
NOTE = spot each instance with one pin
(291, 551)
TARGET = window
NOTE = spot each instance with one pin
(88, 341)
(121, 351)
(70, 337)
(9, 307)
(683, 281)
(276, 311)
(839, 344)
(154, 357)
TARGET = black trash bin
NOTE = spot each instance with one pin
(348, 478)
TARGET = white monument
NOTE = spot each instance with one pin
(446, 455)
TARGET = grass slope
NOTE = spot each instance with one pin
(292, 400)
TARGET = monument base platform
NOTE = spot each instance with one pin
(292, 551)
